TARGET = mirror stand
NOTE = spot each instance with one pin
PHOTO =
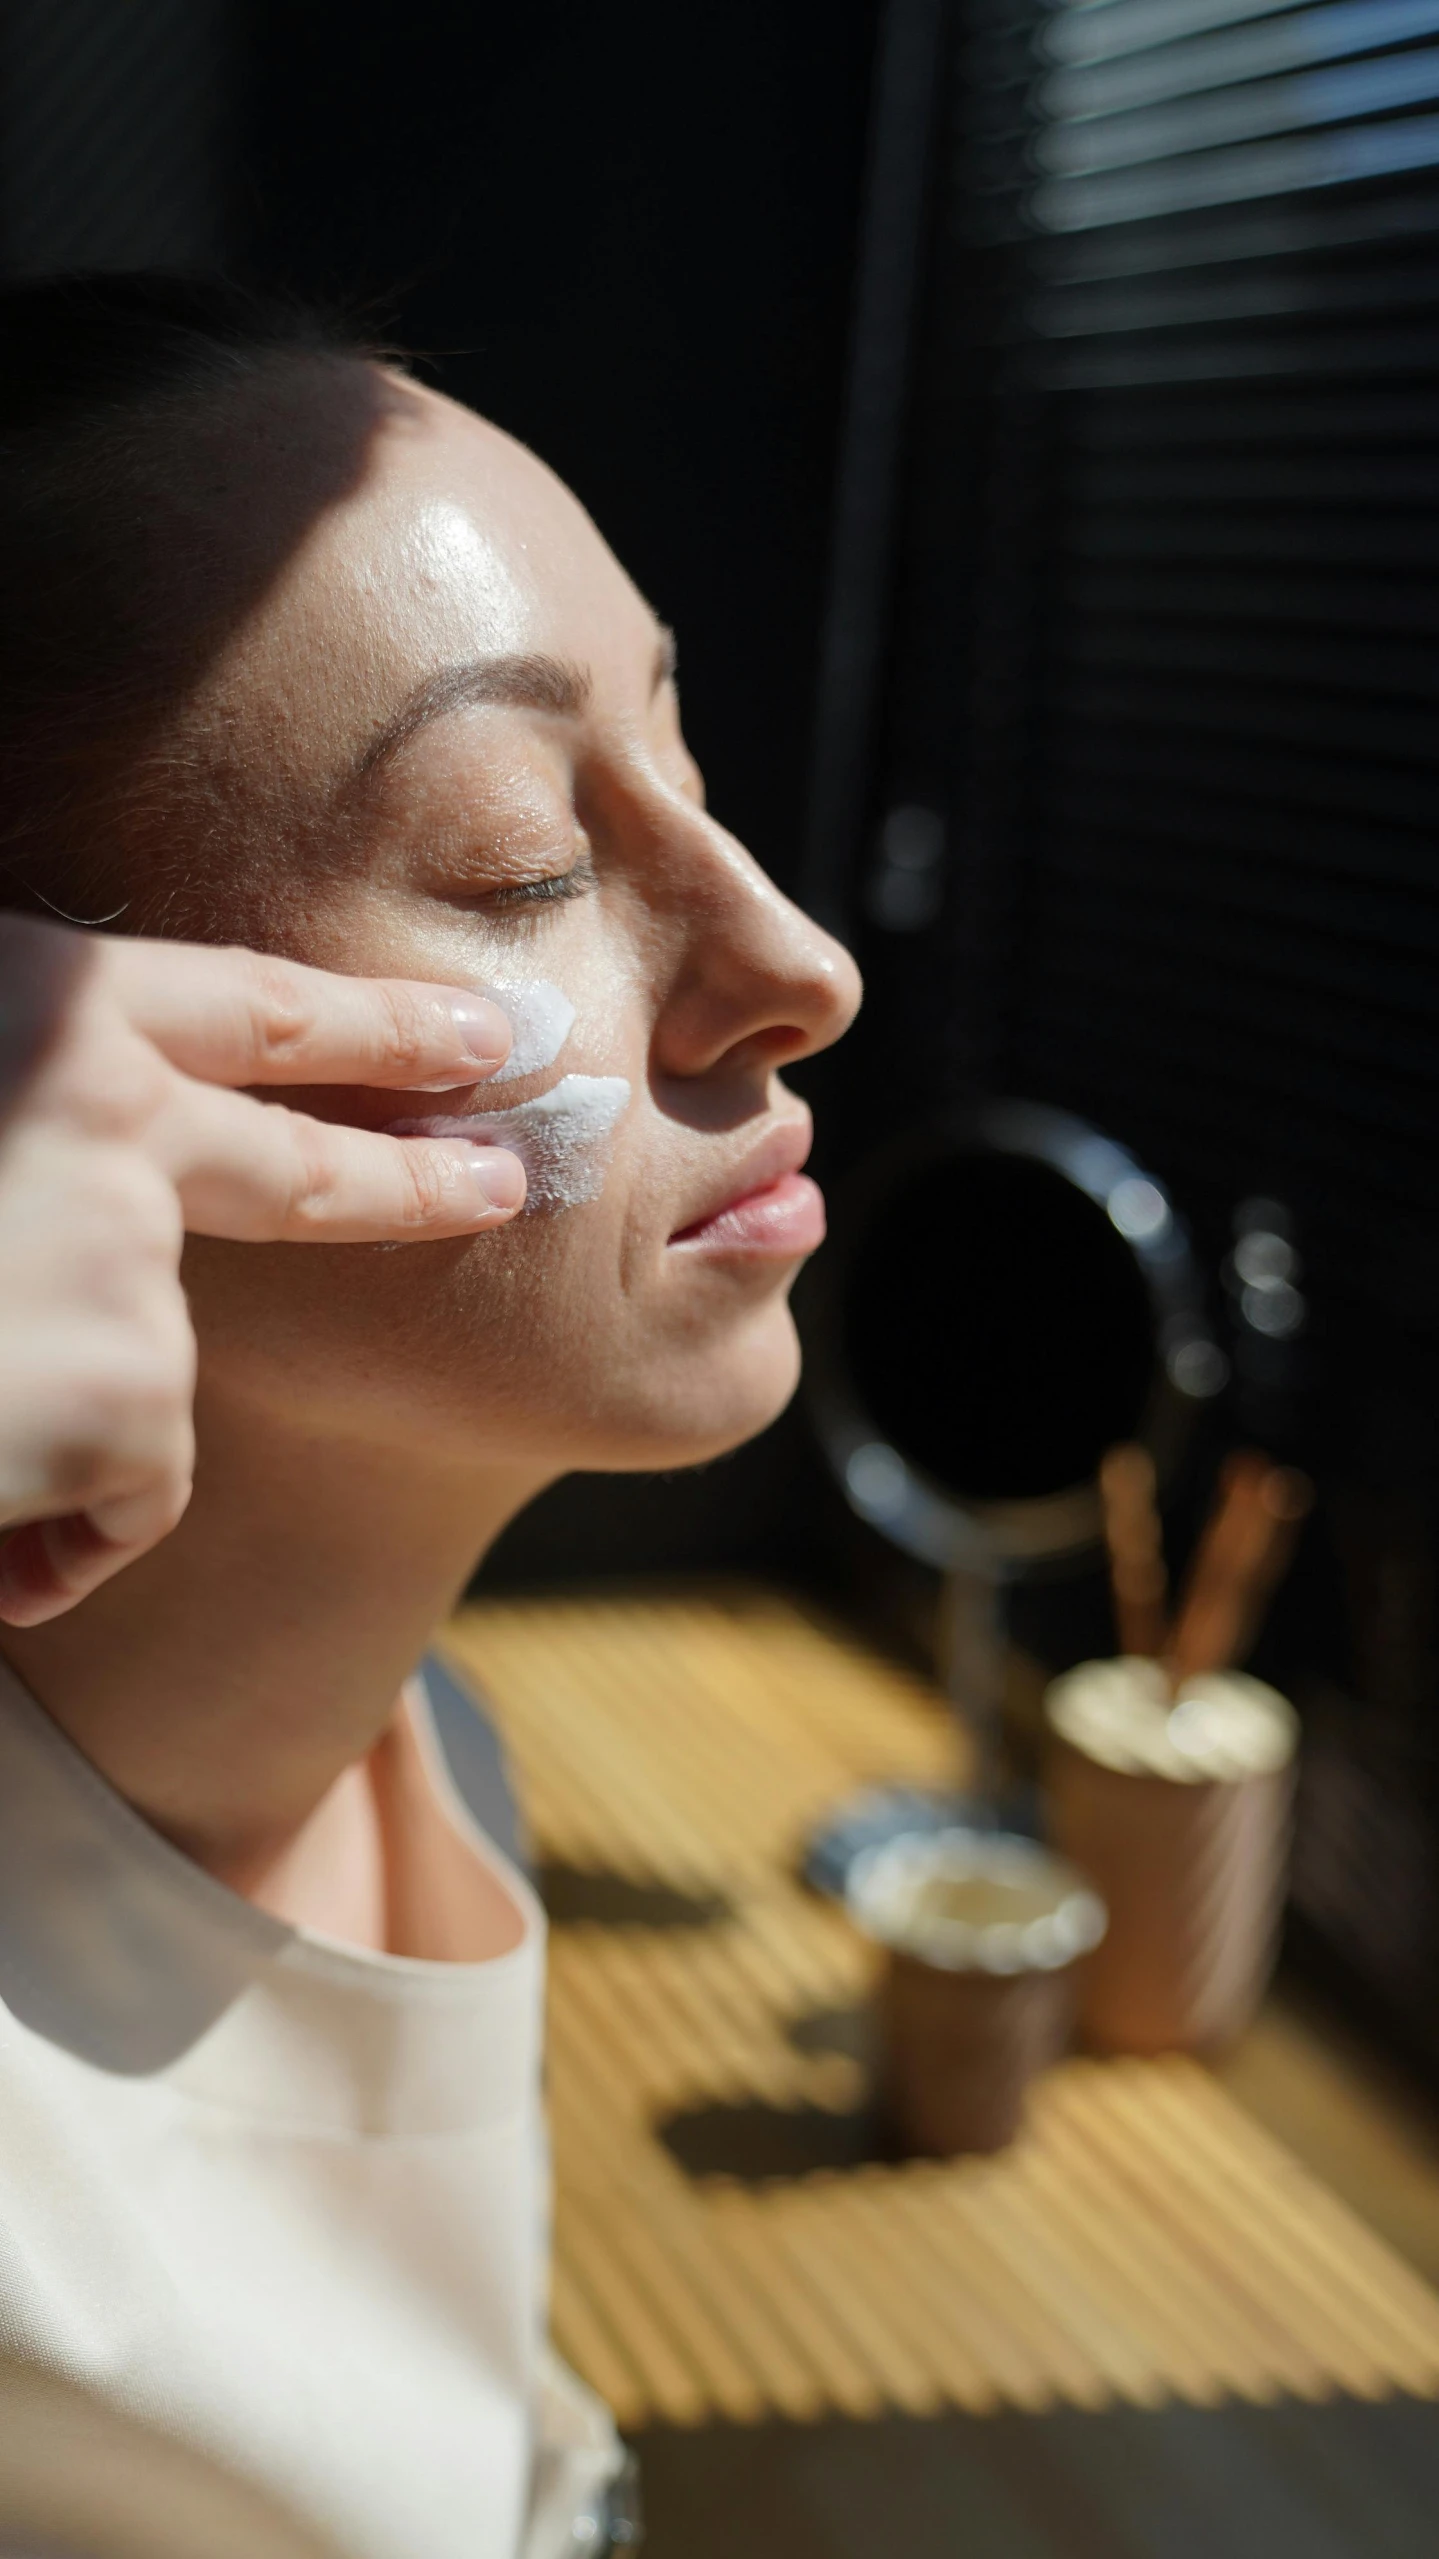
(971, 1657)
(1044, 1305)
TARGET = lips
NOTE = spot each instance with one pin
(770, 1206)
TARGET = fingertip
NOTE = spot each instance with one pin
(484, 1035)
(495, 1179)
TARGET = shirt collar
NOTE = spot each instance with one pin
(120, 1950)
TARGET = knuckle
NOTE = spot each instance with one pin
(111, 1085)
(168, 1335)
(135, 1206)
(406, 1032)
(279, 1016)
(424, 1194)
(311, 1187)
(147, 1382)
(428, 1187)
(126, 1411)
(78, 1469)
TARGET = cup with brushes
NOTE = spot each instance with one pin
(1045, 1304)
(1170, 1772)
(1149, 1919)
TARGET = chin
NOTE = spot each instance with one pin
(602, 1398)
(710, 1402)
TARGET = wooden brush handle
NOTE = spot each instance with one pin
(1135, 1541)
(1238, 1565)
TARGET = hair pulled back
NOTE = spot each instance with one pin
(128, 468)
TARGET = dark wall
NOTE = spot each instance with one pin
(628, 235)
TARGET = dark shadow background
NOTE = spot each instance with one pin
(1139, 613)
(628, 235)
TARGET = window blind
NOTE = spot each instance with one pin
(1165, 658)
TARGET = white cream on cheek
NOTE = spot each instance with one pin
(562, 1139)
(541, 1018)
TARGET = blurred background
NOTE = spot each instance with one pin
(1025, 414)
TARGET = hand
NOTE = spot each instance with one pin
(122, 1125)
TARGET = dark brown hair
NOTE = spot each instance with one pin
(129, 463)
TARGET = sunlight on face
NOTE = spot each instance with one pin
(471, 715)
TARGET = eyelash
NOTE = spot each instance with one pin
(556, 890)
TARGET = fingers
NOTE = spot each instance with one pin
(52, 1564)
(260, 1174)
(106, 1447)
(237, 1017)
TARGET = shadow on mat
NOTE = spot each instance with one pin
(1346, 2479)
(575, 1894)
(848, 2031)
(756, 2142)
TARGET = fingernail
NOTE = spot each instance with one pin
(484, 1034)
(498, 1177)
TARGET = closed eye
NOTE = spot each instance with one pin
(518, 895)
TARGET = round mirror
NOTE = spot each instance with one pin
(1006, 1295)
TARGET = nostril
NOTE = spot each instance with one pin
(786, 1040)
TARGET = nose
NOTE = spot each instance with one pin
(754, 984)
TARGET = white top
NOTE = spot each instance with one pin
(280, 2197)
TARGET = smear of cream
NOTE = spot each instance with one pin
(541, 1018)
(562, 1139)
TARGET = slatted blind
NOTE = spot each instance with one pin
(1165, 664)
(116, 139)
(1230, 288)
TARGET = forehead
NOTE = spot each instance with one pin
(453, 542)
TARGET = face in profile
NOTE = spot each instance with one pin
(457, 724)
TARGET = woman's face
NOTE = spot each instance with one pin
(466, 723)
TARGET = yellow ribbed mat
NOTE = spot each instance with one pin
(1143, 2242)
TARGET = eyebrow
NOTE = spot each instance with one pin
(524, 683)
(516, 683)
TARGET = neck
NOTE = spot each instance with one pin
(225, 1682)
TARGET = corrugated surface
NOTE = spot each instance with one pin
(1144, 2242)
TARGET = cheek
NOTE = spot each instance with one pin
(535, 1345)
(502, 1345)
(425, 1338)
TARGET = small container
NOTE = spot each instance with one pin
(1180, 1810)
(981, 1931)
